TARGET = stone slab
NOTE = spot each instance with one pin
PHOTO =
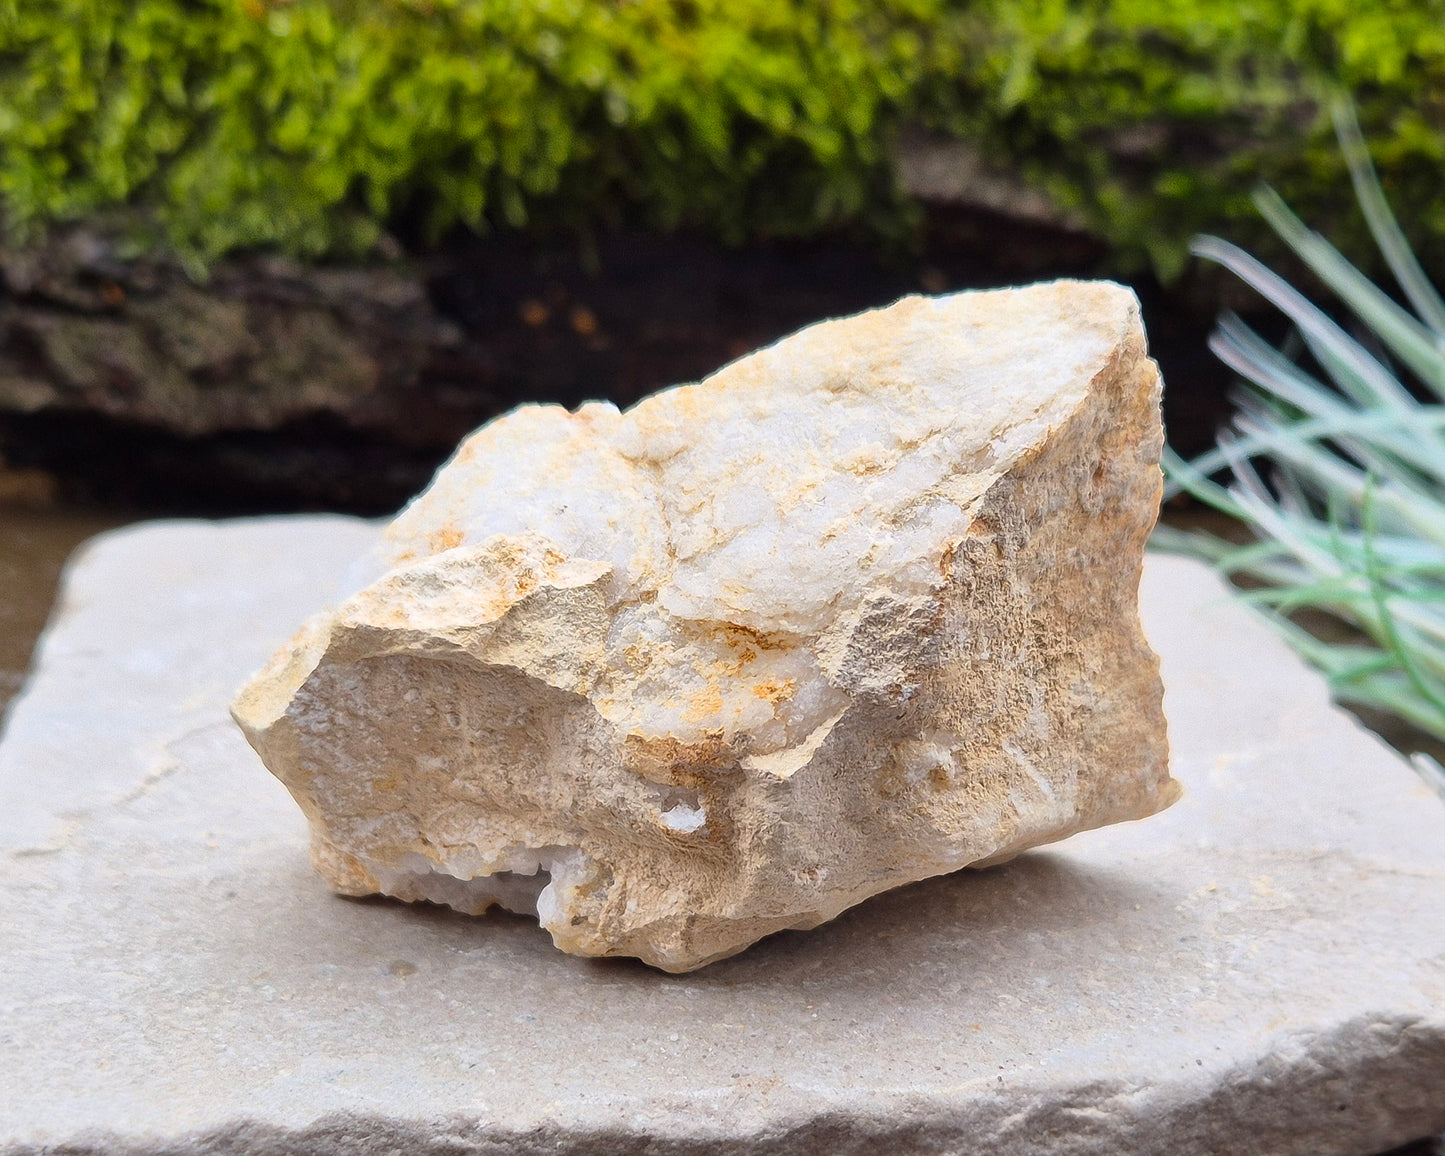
(1259, 969)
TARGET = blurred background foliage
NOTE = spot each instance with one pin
(318, 127)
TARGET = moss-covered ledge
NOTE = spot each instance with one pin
(315, 126)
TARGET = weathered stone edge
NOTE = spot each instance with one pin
(1301, 1100)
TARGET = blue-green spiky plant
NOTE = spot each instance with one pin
(1339, 473)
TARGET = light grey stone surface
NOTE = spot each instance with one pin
(1259, 969)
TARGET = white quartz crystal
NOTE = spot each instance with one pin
(856, 610)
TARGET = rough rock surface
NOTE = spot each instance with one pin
(857, 610)
(1260, 969)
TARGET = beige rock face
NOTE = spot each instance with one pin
(857, 610)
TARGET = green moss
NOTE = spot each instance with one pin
(1155, 120)
(309, 125)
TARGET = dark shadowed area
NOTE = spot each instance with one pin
(275, 387)
(34, 544)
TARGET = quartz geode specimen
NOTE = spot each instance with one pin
(856, 610)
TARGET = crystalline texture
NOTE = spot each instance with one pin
(856, 610)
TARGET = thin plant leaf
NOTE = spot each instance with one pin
(1409, 340)
(1388, 235)
(1361, 376)
(1342, 480)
